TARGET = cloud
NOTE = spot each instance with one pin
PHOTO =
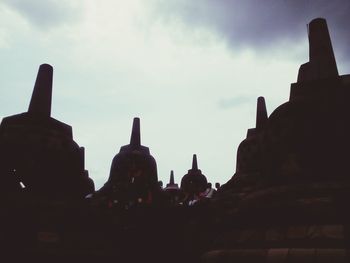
(260, 24)
(45, 14)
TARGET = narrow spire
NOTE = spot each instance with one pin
(135, 139)
(171, 184)
(320, 48)
(194, 162)
(40, 103)
(172, 181)
(261, 113)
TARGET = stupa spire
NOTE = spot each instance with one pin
(320, 48)
(135, 139)
(172, 181)
(40, 103)
(322, 62)
(194, 162)
(261, 113)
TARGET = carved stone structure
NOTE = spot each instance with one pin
(307, 137)
(293, 208)
(194, 182)
(37, 152)
(172, 190)
(249, 153)
(133, 177)
(171, 185)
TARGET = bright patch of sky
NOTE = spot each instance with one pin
(115, 60)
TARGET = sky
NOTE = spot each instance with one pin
(190, 69)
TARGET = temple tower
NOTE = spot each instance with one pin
(37, 151)
(194, 182)
(133, 176)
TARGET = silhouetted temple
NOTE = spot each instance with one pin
(172, 185)
(38, 153)
(249, 153)
(133, 178)
(194, 182)
(172, 190)
(286, 203)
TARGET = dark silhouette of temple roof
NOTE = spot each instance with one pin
(171, 185)
(133, 173)
(307, 136)
(322, 62)
(135, 140)
(249, 152)
(40, 104)
(194, 181)
(39, 150)
(39, 111)
(292, 171)
(261, 118)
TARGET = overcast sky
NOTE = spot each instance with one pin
(190, 69)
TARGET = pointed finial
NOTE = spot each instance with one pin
(261, 113)
(40, 103)
(194, 162)
(135, 139)
(172, 181)
(320, 48)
